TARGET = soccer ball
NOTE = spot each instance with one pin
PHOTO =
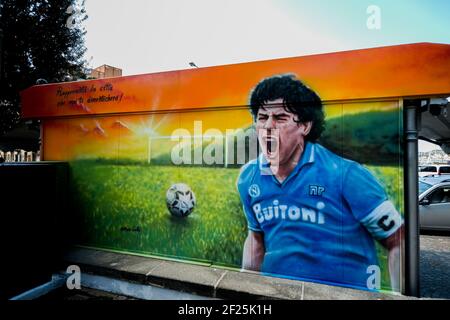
(180, 200)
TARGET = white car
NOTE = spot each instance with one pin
(434, 170)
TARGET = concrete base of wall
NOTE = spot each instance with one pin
(208, 281)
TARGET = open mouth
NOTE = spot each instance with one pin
(271, 146)
(270, 142)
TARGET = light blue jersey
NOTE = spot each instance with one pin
(321, 222)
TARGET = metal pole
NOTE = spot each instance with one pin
(412, 235)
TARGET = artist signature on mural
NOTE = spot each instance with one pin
(130, 229)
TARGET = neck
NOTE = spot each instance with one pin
(284, 169)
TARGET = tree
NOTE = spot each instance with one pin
(39, 42)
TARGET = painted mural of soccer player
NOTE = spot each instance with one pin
(311, 214)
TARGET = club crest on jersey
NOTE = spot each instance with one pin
(316, 190)
(254, 191)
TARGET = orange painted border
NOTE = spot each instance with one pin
(396, 71)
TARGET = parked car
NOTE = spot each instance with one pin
(432, 180)
(434, 170)
(434, 204)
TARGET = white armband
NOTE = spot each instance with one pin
(383, 221)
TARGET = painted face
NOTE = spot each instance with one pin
(280, 136)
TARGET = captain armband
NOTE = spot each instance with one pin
(383, 221)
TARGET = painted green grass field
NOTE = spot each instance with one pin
(123, 207)
(135, 198)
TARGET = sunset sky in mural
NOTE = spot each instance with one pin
(136, 108)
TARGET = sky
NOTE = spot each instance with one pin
(145, 36)
(425, 146)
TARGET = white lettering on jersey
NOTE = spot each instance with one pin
(283, 212)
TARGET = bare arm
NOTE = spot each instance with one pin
(253, 251)
(392, 244)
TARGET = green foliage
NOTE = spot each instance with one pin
(391, 178)
(36, 44)
(371, 137)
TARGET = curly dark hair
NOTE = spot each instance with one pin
(297, 99)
